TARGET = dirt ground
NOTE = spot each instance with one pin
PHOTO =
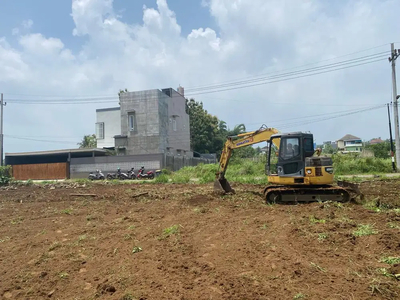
(176, 241)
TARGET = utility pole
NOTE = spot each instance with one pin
(1, 130)
(392, 59)
(391, 141)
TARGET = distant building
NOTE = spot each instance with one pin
(147, 122)
(376, 141)
(108, 125)
(332, 143)
(349, 143)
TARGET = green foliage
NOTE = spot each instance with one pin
(170, 231)
(328, 149)
(5, 174)
(163, 178)
(88, 141)
(122, 91)
(204, 129)
(364, 230)
(392, 260)
(352, 163)
(381, 150)
(209, 134)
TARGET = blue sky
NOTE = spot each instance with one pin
(67, 49)
(53, 18)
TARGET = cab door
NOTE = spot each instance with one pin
(290, 160)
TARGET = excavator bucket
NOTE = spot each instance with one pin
(223, 186)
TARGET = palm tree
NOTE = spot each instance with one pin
(241, 128)
(88, 141)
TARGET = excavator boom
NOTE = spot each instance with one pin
(234, 142)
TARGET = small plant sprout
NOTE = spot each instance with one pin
(317, 267)
(170, 231)
(364, 230)
(136, 249)
(322, 236)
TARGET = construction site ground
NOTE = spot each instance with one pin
(181, 241)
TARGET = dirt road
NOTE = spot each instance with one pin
(159, 241)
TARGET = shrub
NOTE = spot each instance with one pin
(5, 175)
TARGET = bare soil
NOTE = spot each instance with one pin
(183, 242)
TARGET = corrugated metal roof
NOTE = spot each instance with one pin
(63, 151)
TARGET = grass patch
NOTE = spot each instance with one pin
(167, 232)
(299, 296)
(54, 246)
(315, 220)
(67, 211)
(392, 260)
(363, 230)
(17, 220)
(393, 225)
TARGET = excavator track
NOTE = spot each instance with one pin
(296, 194)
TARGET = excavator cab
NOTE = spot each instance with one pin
(293, 149)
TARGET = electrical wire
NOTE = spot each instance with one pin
(229, 86)
(39, 140)
(328, 66)
(310, 118)
(281, 80)
(329, 118)
(314, 63)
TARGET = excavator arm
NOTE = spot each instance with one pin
(234, 142)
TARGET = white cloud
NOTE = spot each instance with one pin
(251, 38)
(27, 24)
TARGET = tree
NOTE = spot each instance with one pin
(328, 149)
(205, 129)
(88, 141)
(381, 150)
(238, 129)
(122, 91)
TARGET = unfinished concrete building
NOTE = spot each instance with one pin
(150, 122)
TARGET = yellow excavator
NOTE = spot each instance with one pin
(298, 174)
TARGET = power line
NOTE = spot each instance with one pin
(285, 79)
(328, 66)
(318, 115)
(330, 118)
(287, 103)
(292, 68)
(212, 88)
(37, 140)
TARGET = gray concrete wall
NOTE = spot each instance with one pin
(174, 162)
(111, 117)
(179, 139)
(145, 138)
(81, 167)
(163, 101)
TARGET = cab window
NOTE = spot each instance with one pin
(290, 148)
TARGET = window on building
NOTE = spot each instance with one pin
(131, 121)
(100, 130)
(174, 124)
